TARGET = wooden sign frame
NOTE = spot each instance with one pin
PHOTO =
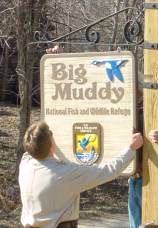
(60, 115)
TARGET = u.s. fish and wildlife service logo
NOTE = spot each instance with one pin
(86, 142)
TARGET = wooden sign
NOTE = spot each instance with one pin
(87, 96)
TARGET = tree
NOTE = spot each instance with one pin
(27, 20)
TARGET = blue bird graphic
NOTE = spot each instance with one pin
(112, 68)
(84, 142)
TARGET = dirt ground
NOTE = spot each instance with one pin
(107, 198)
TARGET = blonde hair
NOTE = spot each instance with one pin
(38, 140)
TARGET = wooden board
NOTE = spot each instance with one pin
(150, 151)
(89, 88)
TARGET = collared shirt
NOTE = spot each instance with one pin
(50, 188)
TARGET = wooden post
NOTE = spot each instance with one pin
(150, 155)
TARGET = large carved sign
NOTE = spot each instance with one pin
(88, 101)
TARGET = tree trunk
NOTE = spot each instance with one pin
(115, 27)
(28, 14)
(5, 74)
(24, 69)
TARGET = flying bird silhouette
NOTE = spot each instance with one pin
(112, 68)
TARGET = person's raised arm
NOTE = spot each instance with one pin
(83, 178)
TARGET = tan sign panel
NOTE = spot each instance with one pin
(88, 101)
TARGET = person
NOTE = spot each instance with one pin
(49, 187)
(135, 200)
(153, 136)
(135, 180)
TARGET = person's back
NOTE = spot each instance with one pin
(46, 196)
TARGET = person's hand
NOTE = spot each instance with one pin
(153, 136)
(53, 50)
(136, 141)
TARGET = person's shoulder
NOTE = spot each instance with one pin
(25, 160)
(26, 156)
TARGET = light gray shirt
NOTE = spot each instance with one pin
(50, 188)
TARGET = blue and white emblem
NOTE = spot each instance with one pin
(112, 68)
(87, 148)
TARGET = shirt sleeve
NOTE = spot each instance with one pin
(81, 178)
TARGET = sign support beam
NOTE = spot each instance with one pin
(150, 155)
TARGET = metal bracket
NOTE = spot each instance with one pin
(150, 46)
(148, 5)
(133, 32)
(150, 85)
